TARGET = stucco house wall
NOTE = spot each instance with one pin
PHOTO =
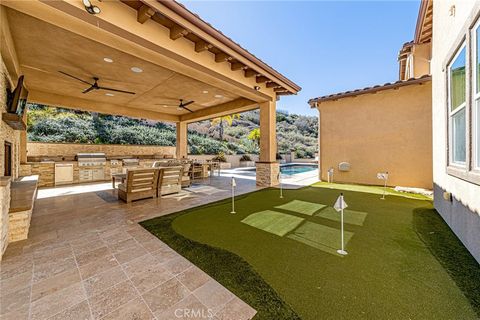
(463, 212)
(386, 131)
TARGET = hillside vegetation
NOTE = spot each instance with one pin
(294, 132)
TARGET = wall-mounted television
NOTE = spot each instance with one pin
(18, 98)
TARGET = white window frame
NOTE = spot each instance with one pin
(451, 113)
(476, 98)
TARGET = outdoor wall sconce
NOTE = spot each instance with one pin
(257, 88)
(91, 8)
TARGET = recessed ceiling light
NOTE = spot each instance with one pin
(165, 106)
(109, 60)
(178, 108)
(218, 96)
(136, 69)
(109, 94)
(204, 91)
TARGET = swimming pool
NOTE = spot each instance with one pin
(285, 169)
(291, 169)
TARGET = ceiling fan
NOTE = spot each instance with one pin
(182, 105)
(94, 85)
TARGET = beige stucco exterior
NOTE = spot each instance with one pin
(448, 31)
(386, 131)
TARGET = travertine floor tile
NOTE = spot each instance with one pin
(103, 281)
(55, 283)
(193, 278)
(146, 273)
(75, 247)
(56, 302)
(135, 309)
(165, 295)
(112, 298)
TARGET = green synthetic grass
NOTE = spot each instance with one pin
(403, 261)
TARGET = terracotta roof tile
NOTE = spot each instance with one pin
(372, 89)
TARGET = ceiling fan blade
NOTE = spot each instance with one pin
(88, 89)
(166, 104)
(186, 108)
(186, 103)
(116, 90)
(73, 77)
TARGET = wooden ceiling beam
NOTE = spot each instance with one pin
(280, 90)
(177, 32)
(202, 45)
(235, 106)
(237, 66)
(262, 79)
(272, 84)
(222, 57)
(144, 13)
(285, 93)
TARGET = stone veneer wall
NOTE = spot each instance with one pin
(4, 207)
(267, 174)
(6, 132)
(39, 149)
(12, 136)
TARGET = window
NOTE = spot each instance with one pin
(476, 97)
(457, 108)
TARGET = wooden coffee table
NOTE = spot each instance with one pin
(118, 176)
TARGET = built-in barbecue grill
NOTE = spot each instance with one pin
(92, 166)
(91, 159)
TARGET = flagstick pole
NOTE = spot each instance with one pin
(281, 185)
(233, 199)
(342, 251)
(385, 187)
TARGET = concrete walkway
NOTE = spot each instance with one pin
(87, 258)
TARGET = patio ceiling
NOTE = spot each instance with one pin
(43, 50)
(43, 38)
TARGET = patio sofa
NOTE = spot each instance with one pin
(140, 184)
(170, 180)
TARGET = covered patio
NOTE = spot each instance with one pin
(86, 257)
(155, 55)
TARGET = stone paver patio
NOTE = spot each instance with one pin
(87, 258)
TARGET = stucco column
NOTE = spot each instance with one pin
(268, 167)
(182, 142)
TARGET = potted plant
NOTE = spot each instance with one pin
(246, 161)
(220, 157)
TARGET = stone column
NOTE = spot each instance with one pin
(182, 142)
(4, 208)
(23, 141)
(268, 167)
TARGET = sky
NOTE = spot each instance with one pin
(323, 46)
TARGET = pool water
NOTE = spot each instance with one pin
(296, 168)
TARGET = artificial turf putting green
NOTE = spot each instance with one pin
(403, 261)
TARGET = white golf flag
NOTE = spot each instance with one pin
(382, 175)
(340, 204)
(234, 184)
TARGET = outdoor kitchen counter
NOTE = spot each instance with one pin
(46, 170)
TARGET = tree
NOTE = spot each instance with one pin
(219, 122)
(254, 135)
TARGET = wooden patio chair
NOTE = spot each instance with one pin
(196, 171)
(186, 181)
(170, 180)
(140, 184)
